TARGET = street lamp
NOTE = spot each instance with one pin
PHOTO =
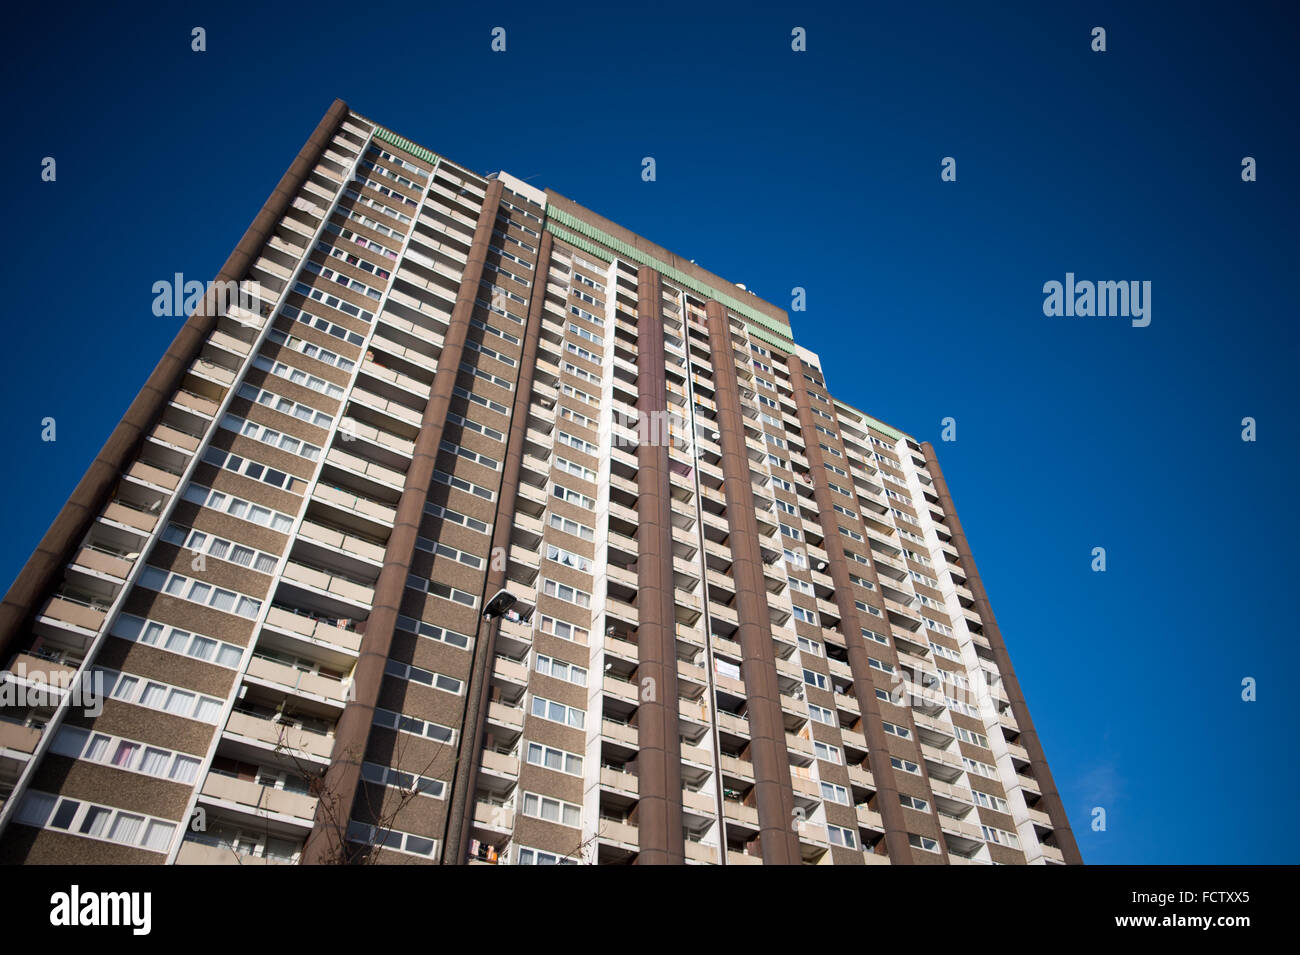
(501, 602)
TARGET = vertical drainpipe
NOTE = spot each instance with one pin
(773, 789)
(1028, 735)
(891, 810)
(659, 761)
(353, 730)
(460, 812)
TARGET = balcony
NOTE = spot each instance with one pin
(298, 682)
(269, 734)
(870, 819)
(140, 520)
(313, 629)
(953, 826)
(508, 717)
(504, 765)
(102, 563)
(619, 732)
(381, 514)
(75, 612)
(620, 781)
(941, 765)
(618, 832)
(148, 474)
(326, 583)
(261, 801)
(16, 738)
(195, 852)
(701, 854)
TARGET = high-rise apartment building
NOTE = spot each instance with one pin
(746, 625)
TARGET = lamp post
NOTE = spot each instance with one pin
(467, 766)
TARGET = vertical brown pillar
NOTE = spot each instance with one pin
(353, 730)
(659, 761)
(775, 795)
(1028, 736)
(44, 568)
(460, 812)
(891, 810)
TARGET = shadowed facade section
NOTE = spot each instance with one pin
(773, 791)
(460, 814)
(659, 762)
(353, 732)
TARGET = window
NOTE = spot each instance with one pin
(552, 810)
(452, 448)
(405, 842)
(433, 632)
(967, 736)
(814, 679)
(407, 782)
(989, 801)
(270, 436)
(442, 591)
(895, 730)
(810, 646)
(469, 424)
(455, 517)
(568, 558)
(835, 793)
(414, 674)
(576, 470)
(568, 526)
(442, 477)
(905, 765)
(557, 759)
(553, 588)
(912, 802)
(74, 816)
(573, 497)
(443, 550)
(822, 715)
(248, 468)
(563, 629)
(1001, 837)
(827, 752)
(238, 507)
(526, 856)
(561, 670)
(158, 696)
(925, 843)
(840, 836)
(409, 724)
(558, 712)
(198, 542)
(283, 405)
(176, 640)
(980, 769)
(871, 634)
(805, 616)
(802, 586)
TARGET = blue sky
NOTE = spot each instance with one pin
(819, 170)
